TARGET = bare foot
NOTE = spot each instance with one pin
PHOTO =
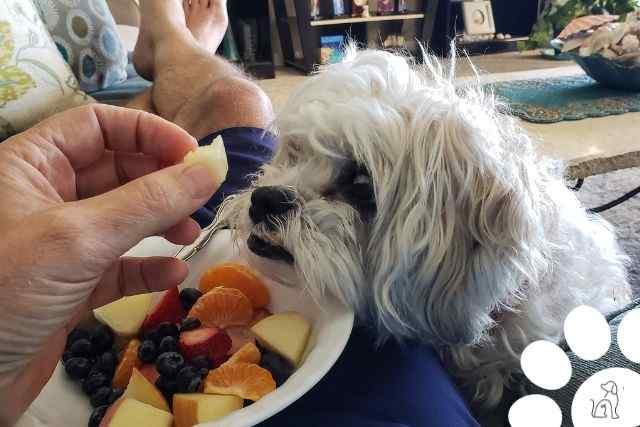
(159, 18)
(207, 20)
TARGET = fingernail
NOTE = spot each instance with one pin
(199, 181)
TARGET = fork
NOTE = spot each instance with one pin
(187, 252)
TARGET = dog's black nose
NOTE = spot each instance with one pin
(267, 203)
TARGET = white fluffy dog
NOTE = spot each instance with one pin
(426, 210)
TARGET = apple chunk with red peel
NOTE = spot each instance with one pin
(195, 408)
(129, 412)
(142, 390)
(168, 309)
(285, 334)
(125, 316)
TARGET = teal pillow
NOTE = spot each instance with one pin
(85, 33)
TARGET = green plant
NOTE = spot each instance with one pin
(558, 13)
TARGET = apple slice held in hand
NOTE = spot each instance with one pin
(195, 408)
(285, 334)
(130, 412)
(125, 316)
(213, 156)
(142, 390)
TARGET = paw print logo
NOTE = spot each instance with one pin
(608, 398)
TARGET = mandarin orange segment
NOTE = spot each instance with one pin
(245, 380)
(248, 353)
(128, 361)
(237, 276)
(222, 307)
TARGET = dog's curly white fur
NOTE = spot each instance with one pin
(475, 244)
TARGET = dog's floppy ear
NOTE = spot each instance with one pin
(467, 229)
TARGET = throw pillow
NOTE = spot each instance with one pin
(35, 82)
(86, 35)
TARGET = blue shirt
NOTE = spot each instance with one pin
(388, 386)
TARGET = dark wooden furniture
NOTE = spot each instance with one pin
(298, 32)
(253, 16)
(511, 17)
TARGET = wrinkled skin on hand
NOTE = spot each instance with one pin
(76, 192)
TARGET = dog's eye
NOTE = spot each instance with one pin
(362, 179)
(360, 193)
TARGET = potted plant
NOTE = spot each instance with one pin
(556, 15)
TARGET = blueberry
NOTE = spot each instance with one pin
(102, 338)
(116, 393)
(167, 386)
(193, 386)
(247, 402)
(188, 297)
(202, 362)
(82, 348)
(97, 415)
(168, 344)
(168, 329)
(94, 381)
(189, 324)
(100, 396)
(77, 367)
(168, 364)
(154, 336)
(203, 372)
(185, 376)
(106, 363)
(278, 366)
(75, 335)
(66, 356)
(147, 352)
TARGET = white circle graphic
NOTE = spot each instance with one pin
(546, 365)
(535, 410)
(587, 333)
(628, 336)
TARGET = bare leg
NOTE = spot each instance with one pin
(192, 87)
(143, 102)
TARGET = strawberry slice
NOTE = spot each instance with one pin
(168, 309)
(219, 360)
(150, 372)
(210, 342)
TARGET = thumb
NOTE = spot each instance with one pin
(148, 205)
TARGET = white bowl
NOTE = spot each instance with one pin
(61, 403)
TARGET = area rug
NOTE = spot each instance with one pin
(563, 98)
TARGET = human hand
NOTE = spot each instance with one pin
(76, 192)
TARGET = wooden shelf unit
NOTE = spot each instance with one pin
(305, 32)
(347, 20)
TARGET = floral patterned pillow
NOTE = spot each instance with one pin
(35, 81)
(85, 33)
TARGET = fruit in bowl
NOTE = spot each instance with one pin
(180, 365)
(607, 49)
(62, 402)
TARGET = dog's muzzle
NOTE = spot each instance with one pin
(269, 205)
